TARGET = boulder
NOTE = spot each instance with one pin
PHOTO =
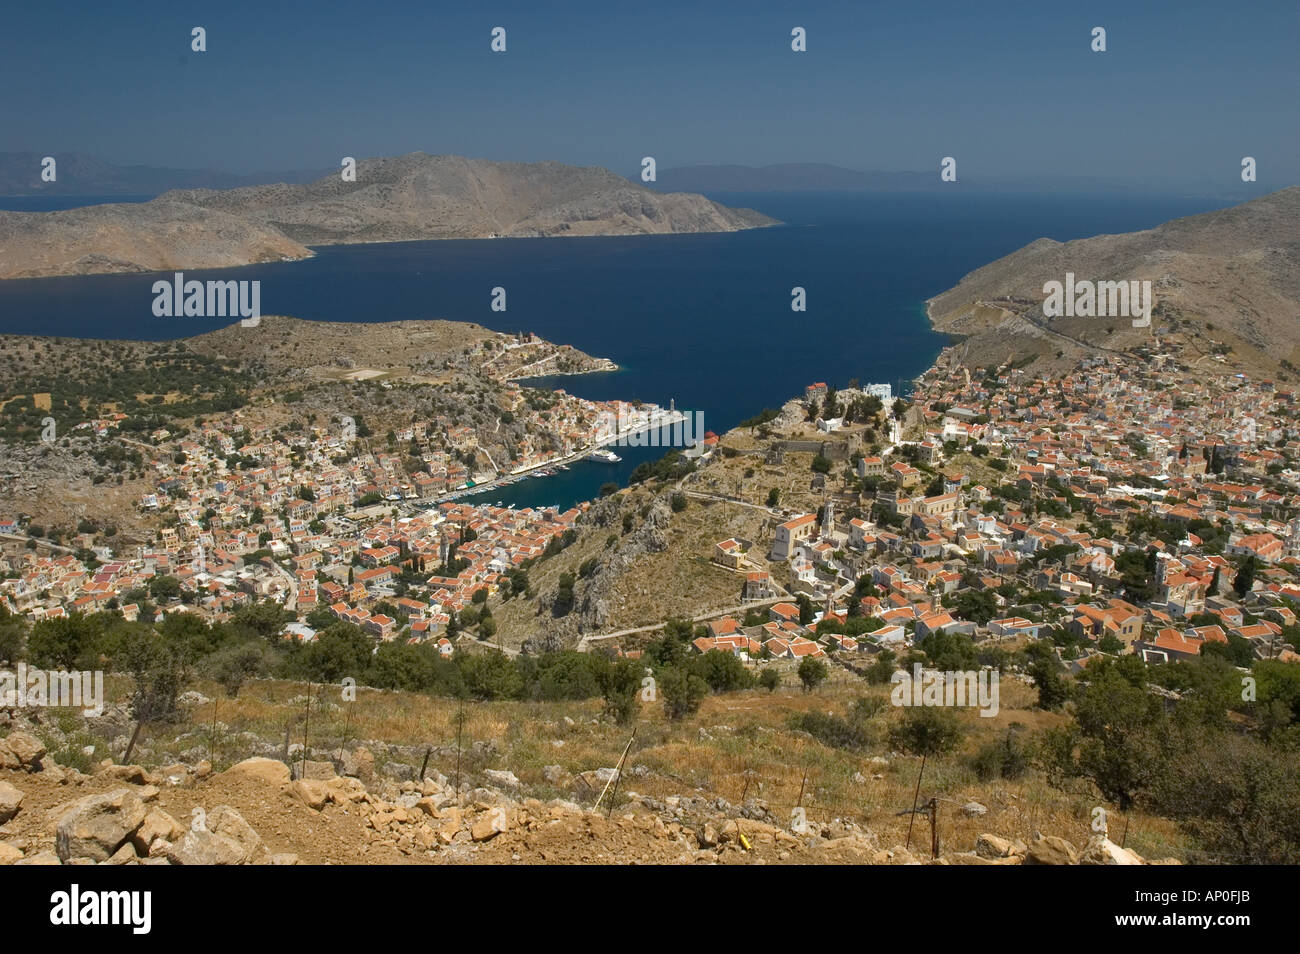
(991, 846)
(1100, 850)
(1050, 850)
(157, 825)
(224, 820)
(358, 763)
(9, 854)
(176, 774)
(345, 790)
(205, 848)
(501, 779)
(95, 827)
(490, 824)
(974, 810)
(452, 822)
(271, 771)
(124, 856)
(399, 771)
(133, 774)
(11, 799)
(312, 792)
(26, 748)
(42, 858)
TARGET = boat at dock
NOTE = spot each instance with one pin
(603, 456)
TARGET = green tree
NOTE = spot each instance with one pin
(812, 673)
(1121, 727)
(683, 692)
(723, 671)
(620, 686)
(926, 731)
(232, 666)
(339, 651)
(806, 611)
(164, 588)
(13, 637)
(1052, 690)
(1245, 578)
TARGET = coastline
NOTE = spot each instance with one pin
(663, 418)
(609, 366)
(313, 249)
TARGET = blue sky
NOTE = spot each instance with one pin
(1184, 90)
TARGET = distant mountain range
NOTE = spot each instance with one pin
(406, 198)
(83, 175)
(80, 174)
(1223, 279)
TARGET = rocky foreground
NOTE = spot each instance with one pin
(343, 812)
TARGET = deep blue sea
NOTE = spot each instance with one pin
(701, 319)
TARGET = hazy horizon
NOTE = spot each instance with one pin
(1014, 93)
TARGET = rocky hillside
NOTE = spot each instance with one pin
(1225, 282)
(135, 237)
(393, 199)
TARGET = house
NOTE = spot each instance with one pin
(933, 622)
(942, 506)
(1117, 618)
(871, 467)
(1262, 546)
(1014, 626)
(1173, 644)
(758, 586)
(730, 553)
(790, 534)
(786, 612)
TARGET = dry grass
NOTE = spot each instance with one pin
(738, 744)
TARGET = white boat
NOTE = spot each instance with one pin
(604, 456)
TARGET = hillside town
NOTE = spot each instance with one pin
(321, 519)
(1126, 508)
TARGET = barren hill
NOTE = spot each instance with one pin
(427, 197)
(135, 237)
(1224, 281)
(406, 198)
